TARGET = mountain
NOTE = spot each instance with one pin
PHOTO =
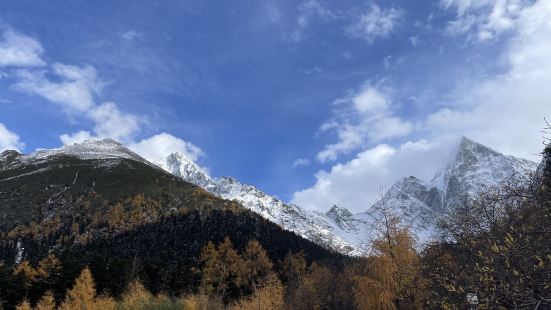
(472, 167)
(99, 204)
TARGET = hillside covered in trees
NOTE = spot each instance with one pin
(84, 235)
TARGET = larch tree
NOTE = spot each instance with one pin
(83, 295)
(257, 264)
(210, 269)
(47, 302)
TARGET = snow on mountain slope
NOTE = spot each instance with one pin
(309, 224)
(473, 168)
(179, 165)
(89, 149)
(419, 203)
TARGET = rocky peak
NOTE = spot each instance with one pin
(475, 167)
(93, 149)
(7, 157)
(181, 166)
(338, 213)
(96, 148)
(228, 180)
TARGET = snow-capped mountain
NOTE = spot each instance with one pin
(475, 167)
(311, 225)
(420, 203)
(105, 149)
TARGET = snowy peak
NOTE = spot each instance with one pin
(95, 149)
(8, 157)
(87, 150)
(476, 166)
(342, 217)
(473, 167)
(418, 202)
(338, 213)
(181, 166)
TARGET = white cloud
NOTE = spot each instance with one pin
(370, 100)
(74, 89)
(74, 92)
(484, 19)
(356, 184)
(363, 118)
(9, 140)
(76, 137)
(158, 147)
(504, 111)
(301, 162)
(112, 123)
(309, 11)
(19, 50)
(375, 23)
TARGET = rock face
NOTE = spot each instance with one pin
(420, 203)
(8, 157)
(475, 167)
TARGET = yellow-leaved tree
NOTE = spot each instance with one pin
(83, 295)
(392, 278)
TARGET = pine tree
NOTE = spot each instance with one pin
(83, 295)
(393, 279)
(210, 269)
(258, 265)
(135, 297)
(26, 273)
(232, 270)
(47, 302)
(293, 268)
(49, 267)
(269, 296)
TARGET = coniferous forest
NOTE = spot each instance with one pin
(493, 252)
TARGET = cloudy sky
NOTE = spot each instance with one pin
(316, 102)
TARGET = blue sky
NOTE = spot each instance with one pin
(312, 101)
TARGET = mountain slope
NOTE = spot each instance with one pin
(472, 168)
(99, 195)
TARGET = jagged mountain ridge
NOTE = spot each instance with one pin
(419, 202)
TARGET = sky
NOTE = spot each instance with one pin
(316, 102)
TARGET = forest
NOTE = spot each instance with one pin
(492, 252)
